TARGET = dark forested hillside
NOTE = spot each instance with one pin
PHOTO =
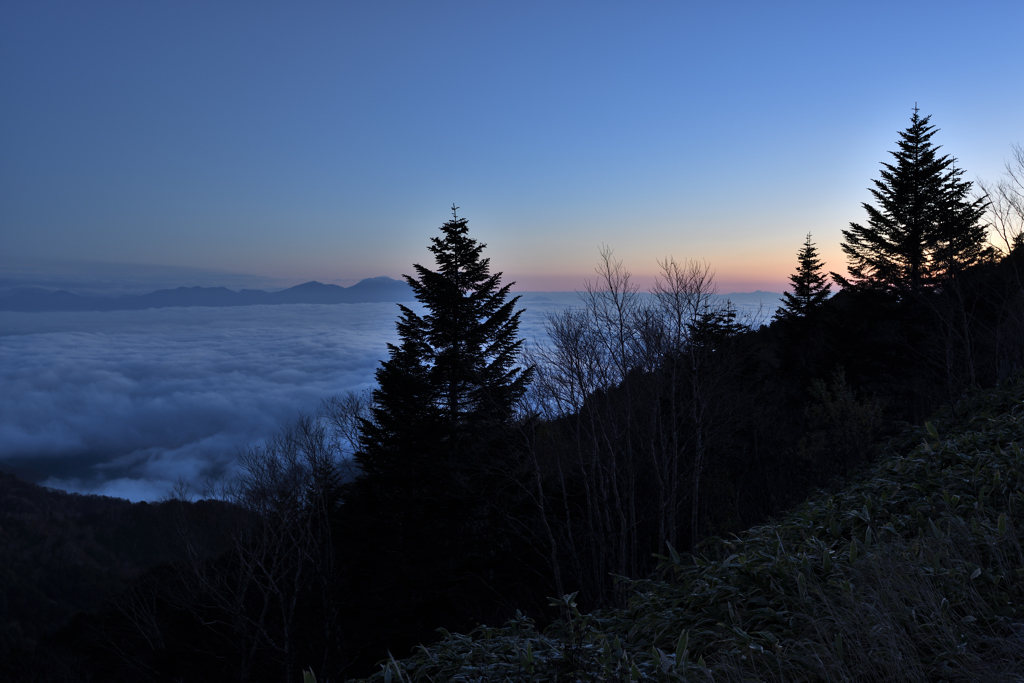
(63, 554)
(912, 572)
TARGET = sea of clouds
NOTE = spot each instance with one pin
(124, 403)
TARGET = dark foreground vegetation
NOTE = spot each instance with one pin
(611, 466)
(913, 572)
(63, 555)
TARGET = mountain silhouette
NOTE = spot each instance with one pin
(370, 290)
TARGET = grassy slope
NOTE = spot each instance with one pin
(913, 573)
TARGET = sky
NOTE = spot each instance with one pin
(275, 143)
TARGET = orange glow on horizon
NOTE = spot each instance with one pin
(735, 281)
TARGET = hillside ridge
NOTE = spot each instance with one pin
(915, 571)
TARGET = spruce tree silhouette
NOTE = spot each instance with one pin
(925, 226)
(452, 379)
(424, 519)
(810, 286)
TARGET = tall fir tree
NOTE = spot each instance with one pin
(452, 381)
(810, 285)
(423, 521)
(925, 227)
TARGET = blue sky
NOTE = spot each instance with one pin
(327, 140)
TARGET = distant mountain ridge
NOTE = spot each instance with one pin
(370, 290)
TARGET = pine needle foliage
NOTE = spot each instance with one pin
(423, 522)
(810, 285)
(925, 226)
(912, 573)
(453, 375)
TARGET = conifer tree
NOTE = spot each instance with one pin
(925, 227)
(423, 523)
(810, 286)
(451, 381)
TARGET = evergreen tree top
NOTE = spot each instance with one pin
(453, 373)
(922, 227)
(810, 285)
(458, 256)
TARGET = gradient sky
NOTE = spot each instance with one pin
(326, 140)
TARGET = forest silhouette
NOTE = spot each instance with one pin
(483, 476)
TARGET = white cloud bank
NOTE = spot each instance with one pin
(124, 403)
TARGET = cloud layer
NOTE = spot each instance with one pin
(124, 403)
(139, 398)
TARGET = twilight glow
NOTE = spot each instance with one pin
(326, 141)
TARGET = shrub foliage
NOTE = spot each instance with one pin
(913, 572)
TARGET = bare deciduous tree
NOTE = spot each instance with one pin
(629, 389)
(278, 583)
(1006, 203)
